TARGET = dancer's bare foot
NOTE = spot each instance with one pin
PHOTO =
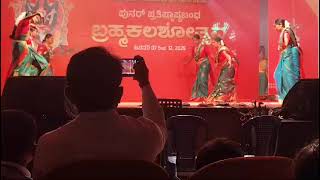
(198, 99)
(207, 101)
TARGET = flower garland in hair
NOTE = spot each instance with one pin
(221, 42)
(206, 40)
(286, 24)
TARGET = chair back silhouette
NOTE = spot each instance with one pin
(108, 169)
(248, 168)
(189, 133)
(170, 107)
(289, 141)
(260, 135)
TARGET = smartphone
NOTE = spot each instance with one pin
(127, 66)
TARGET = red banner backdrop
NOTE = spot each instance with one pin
(158, 30)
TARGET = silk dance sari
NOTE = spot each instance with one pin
(287, 73)
(27, 62)
(200, 87)
(225, 88)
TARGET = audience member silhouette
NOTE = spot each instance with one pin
(18, 141)
(307, 161)
(98, 132)
(218, 149)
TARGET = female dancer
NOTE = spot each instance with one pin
(201, 55)
(287, 73)
(226, 65)
(46, 49)
(26, 61)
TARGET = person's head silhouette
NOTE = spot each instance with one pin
(307, 161)
(18, 136)
(93, 80)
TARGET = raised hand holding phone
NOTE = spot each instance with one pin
(141, 71)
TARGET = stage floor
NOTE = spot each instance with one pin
(269, 105)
